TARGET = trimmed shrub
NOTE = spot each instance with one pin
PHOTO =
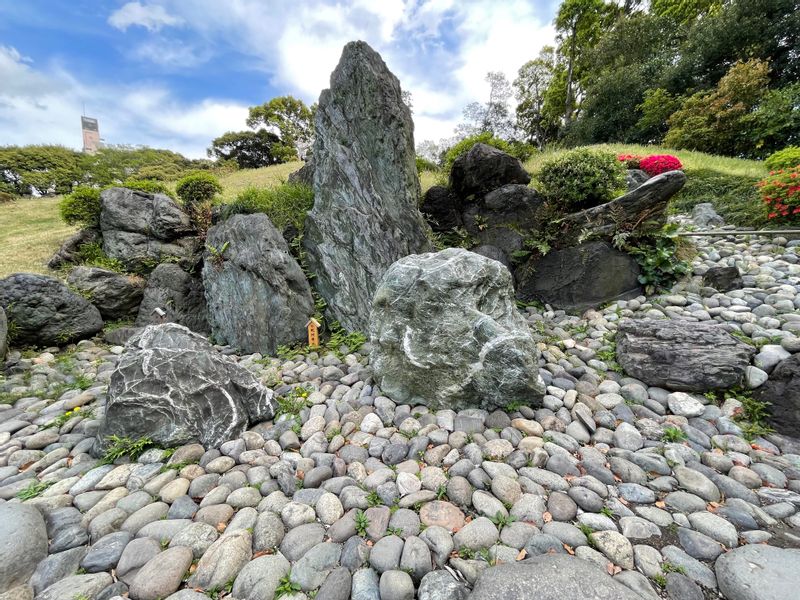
(581, 179)
(656, 164)
(631, 161)
(285, 205)
(197, 187)
(780, 192)
(783, 159)
(81, 207)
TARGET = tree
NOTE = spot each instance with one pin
(290, 119)
(251, 149)
(531, 85)
(579, 24)
(656, 108)
(716, 121)
(684, 11)
(775, 123)
(39, 169)
(493, 116)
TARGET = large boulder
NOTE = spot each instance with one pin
(116, 296)
(782, 391)
(579, 277)
(171, 386)
(484, 168)
(646, 203)
(142, 230)
(682, 355)
(446, 333)
(723, 279)
(23, 543)
(42, 311)
(178, 294)
(3, 333)
(69, 253)
(634, 178)
(258, 296)
(505, 217)
(304, 175)
(366, 187)
(550, 577)
(759, 572)
(441, 208)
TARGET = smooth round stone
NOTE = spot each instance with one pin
(637, 528)
(586, 499)
(758, 572)
(615, 546)
(162, 574)
(633, 492)
(684, 405)
(396, 585)
(106, 552)
(442, 514)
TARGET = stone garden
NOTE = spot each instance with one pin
(514, 422)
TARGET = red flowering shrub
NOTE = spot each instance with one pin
(656, 164)
(781, 193)
(631, 160)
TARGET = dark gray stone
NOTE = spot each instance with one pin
(782, 391)
(115, 295)
(177, 293)
(105, 552)
(484, 168)
(579, 277)
(76, 586)
(441, 585)
(23, 543)
(42, 311)
(304, 175)
(759, 572)
(446, 332)
(549, 577)
(441, 208)
(257, 295)
(70, 251)
(142, 229)
(705, 216)
(171, 385)
(3, 333)
(366, 186)
(57, 566)
(635, 178)
(682, 355)
(723, 279)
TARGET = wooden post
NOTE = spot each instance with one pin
(313, 332)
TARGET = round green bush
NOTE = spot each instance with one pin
(783, 159)
(581, 178)
(81, 207)
(197, 187)
(149, 186)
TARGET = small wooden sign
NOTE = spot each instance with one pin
(313, 332)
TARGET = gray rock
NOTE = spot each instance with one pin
(337, 585)
(258, 297)
(305, 174)
(579, 277)
(759, 572)
(484, 168)
(106, 552)
(57, 566)
(171, 385)
(3, 333)
(161, 575)
(445, 331)
(682, 355)
(385, 554)
(441, 208)
(704, 215)
(477, 534)
(396, 585)
(135, 555)
(723, 279)
(115, 295)
(440, 585)
(223, 560)
(76, 586)
(635, 178)
(142, 229)
(782, 391)
(549, 577)
(366, 187)
(312, 569)
(365, 585)
(260, 577)
(42, 311)
(179, 295)
(23, 543)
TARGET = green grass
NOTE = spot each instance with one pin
(265, 177)
(31, 230)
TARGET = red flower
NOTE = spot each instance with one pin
(659, 163)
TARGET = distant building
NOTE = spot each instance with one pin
(91, 135)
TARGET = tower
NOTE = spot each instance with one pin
(91, 135)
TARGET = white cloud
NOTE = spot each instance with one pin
(44, 106)
(171, 53)
(150, 16)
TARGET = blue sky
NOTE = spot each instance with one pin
(177, 73)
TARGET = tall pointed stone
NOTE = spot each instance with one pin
(366, 188)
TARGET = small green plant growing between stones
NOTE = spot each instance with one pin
(466, 553)
(293, 402)
(286, 586)
(394, 531)
(217, 255)
(362, 522)
(753, 415)
(59, 421)
(660, 581)
(587, 531)
(33, 490)
(607, 512)
(673, 434)
(668, 567)
(502, 520)
(441, 492)
(373, 499)
(120, 447)
(219, 593)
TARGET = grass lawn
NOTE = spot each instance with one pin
(31, 230)
(238, 181)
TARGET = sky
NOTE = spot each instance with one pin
(177, 73)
